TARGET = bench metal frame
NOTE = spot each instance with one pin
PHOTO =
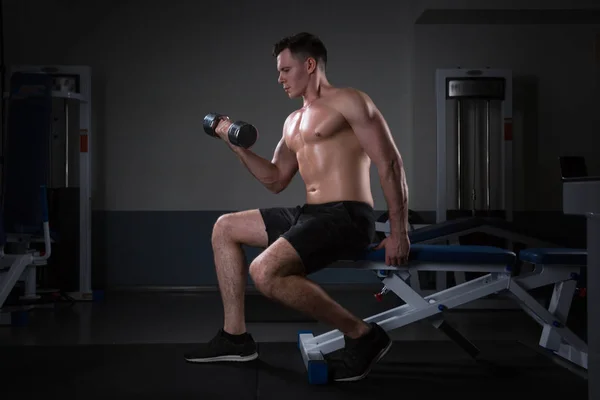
(555, 336)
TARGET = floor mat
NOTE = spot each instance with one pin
(412, 369)
(429, 370)
(133, 371)
(258, 308)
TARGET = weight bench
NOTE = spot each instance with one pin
(450, 232)
(496, 263)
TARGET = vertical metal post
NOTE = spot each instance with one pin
(49, 175)
(441, 150)
(66, 143)
(593, 318)
(459, 155)
(475, 160)
(487, 154)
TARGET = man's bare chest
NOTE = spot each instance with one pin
(313, 125)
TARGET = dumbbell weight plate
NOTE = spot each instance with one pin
(242, 134)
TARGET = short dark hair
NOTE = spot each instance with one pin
(305, 45)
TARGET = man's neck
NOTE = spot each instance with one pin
(315, 91)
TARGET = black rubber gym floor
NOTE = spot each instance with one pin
(411, 370)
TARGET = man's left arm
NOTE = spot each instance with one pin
(372, 131)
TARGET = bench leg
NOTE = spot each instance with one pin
(417, 308)
(560, 304)
(556, 336)
(456, 336)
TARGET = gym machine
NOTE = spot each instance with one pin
(474, 141)
(581, 196)
(67, 166)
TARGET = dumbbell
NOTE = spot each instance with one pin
(240, 133)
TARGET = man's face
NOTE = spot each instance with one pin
(293, 74)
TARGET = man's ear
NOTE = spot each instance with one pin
(311, 65)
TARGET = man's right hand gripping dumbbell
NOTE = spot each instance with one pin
(238, 133)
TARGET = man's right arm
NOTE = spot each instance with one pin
(275, 175)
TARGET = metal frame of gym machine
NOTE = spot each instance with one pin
(83, 95)
(456, 84)
(464, 83)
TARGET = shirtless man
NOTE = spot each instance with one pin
(331, 141)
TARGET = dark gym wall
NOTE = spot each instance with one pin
(159, 67)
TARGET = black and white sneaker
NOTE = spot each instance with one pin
(225, 347)
(356, 359)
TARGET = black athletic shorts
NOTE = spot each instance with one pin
(323, 233)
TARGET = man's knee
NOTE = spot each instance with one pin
(244, 227)
(277, 261)
(262, 275)
(223, 227)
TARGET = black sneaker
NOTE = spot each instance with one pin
(222, 348)
(359, 355)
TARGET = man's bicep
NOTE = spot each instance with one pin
(285, 161)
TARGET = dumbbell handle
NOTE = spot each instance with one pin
(211, 120)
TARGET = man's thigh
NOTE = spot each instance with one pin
(278, 220)
(323, 238)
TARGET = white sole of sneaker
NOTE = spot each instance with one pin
(223, 358)
(381, 354)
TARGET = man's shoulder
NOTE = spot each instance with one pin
(350, 99)
(347, 92)
(292, 115)
(351, 96)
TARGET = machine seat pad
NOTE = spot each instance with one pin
(554, 256)
(450, 254)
